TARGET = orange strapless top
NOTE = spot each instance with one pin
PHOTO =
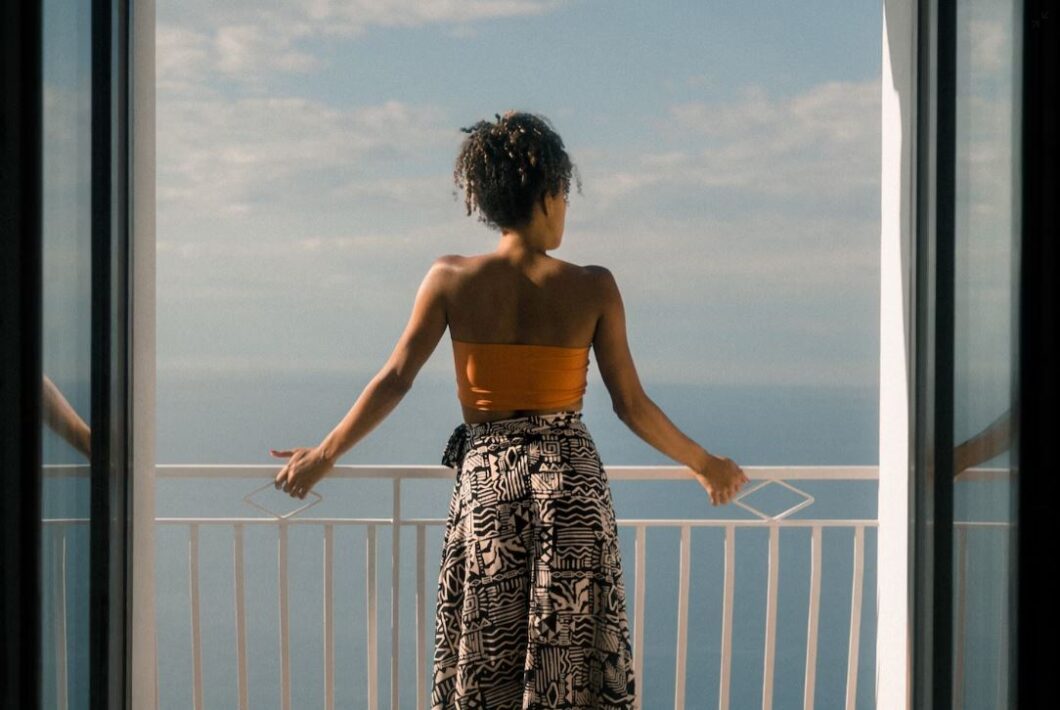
(511, 376)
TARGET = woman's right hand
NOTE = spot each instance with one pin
(721, 478)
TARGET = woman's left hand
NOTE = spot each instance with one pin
(305, 467)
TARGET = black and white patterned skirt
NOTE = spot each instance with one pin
(531, 606)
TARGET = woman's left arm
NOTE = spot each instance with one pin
(425, 328)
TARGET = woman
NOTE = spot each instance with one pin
(531, 604)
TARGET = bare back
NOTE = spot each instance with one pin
(551, 302)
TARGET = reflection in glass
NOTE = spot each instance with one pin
(66, 352)
(986, 224)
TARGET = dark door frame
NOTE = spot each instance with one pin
(111, 470)
(931, 494)
(20, 345)
(1035, 600)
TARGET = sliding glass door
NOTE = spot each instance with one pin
(66, 352)
(986, 228)
(967, 326)
(65, 375)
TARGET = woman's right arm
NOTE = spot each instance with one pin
(720, 476)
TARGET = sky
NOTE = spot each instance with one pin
(728, 152)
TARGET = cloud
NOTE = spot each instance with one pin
(245, 42)
(242, 49)
(989, 44)
(353, 17)
(229, 156)
(182, 58)
(822, 142)
(66, 121)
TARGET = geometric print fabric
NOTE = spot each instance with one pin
(531, 607)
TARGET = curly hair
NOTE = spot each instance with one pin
(507, 166)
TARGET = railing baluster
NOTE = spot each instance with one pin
(810, 684)
(726, 617)
(158, 668)
(421, 618)
(329, 617)
(962, 592)
(196, 634)
(373, 701)
(285, 619)
(1001, 682)
(395, 594)
(855, 617)
(241, 613)
(769, 654)
(424, 598)
(682, 617)
(62, 697)
(640, 550)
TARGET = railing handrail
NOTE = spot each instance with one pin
(413, 471)
(614, 472)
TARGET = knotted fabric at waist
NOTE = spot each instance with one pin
(464, 435)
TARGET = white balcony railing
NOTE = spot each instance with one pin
(426, 582)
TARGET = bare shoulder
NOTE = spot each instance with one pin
(450, 259)
(602, 279)
(596, 271)
(450, 265)
(442, 274)
(462, 264)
